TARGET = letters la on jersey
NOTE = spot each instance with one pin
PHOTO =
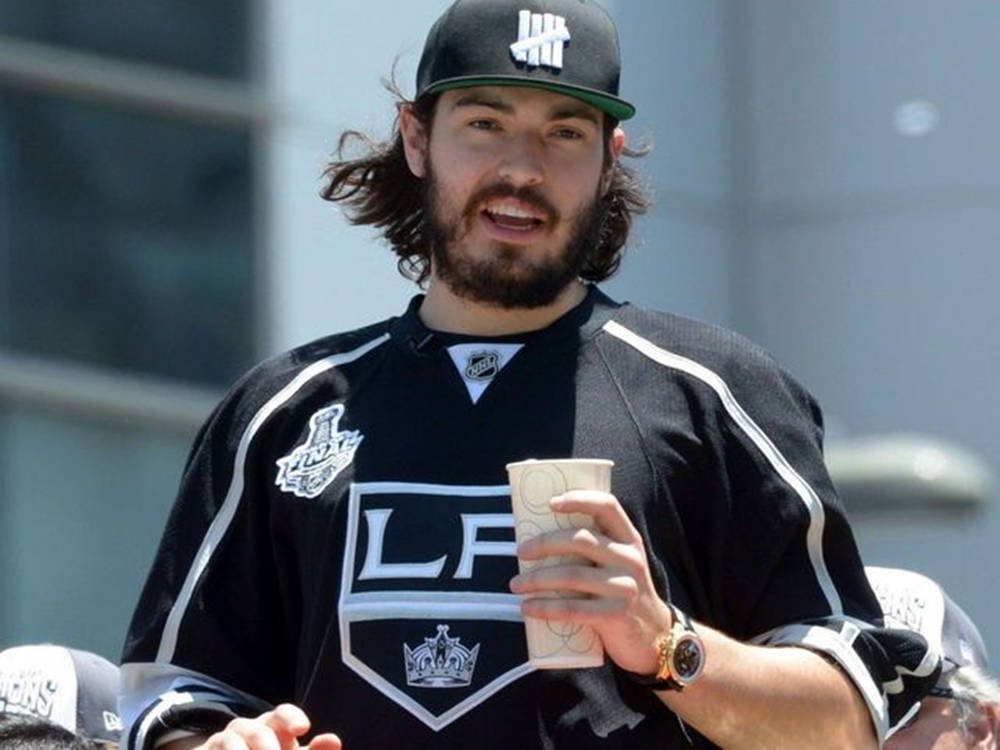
(425, 613)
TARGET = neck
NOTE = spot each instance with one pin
(444, 311)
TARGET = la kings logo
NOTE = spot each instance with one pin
(440, 662)
(309, 469)
(425, 613)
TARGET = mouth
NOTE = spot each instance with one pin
(512, 215)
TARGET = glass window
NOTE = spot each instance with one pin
(200, 36)
(125, 240)
(82, 505)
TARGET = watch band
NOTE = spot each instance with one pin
(667, 676)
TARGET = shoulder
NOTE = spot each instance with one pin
(672, 338)
(291, 375)
(707, 358)
(336, 350)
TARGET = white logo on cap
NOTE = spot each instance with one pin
(540, 39)
(112, 722)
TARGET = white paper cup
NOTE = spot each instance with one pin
(553, 644)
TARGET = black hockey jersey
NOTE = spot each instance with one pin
(342, 539)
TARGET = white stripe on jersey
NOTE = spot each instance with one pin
(817, 516)
(219, 525)
(164, 704)
(149, 690)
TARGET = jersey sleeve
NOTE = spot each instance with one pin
(790, 573)
(214, 602)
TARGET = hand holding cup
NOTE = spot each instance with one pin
(554, 644)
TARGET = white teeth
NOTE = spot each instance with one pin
(506, 209)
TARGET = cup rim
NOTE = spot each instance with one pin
(562, 461)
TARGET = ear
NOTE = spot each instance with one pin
(984, 726)
(615, 146)
(415, 141)
(617, 143)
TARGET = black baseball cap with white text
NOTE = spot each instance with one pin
(76, 690)
(914, 601)
(567, 46)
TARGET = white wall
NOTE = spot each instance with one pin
(676, 69)
(323, 72)
(873, 260)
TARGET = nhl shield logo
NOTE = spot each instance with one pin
(309, 469)
(482, 365)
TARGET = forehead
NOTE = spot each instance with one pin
(519, 101)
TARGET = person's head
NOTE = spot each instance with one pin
(963, 708)
(502, 178)
(48, 691)
(23, 732)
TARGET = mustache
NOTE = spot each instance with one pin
(527, 195)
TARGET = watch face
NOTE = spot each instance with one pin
(687, 659)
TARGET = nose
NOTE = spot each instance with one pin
(523, 162)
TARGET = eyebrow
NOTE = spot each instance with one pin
(562, 112)
(478, 100)
(582, 112)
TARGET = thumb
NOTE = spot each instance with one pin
(326, 742)
(287, 722)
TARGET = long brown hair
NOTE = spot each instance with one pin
(379, 189)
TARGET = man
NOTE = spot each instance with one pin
(345, 515)
(963, 708)
(52, 696)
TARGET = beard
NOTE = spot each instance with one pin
(510, 278)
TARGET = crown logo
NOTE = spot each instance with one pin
(440, 662)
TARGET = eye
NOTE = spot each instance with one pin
(570, 134)
(484, 124)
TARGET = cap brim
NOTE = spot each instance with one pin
(617, 108)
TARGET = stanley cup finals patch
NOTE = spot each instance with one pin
(309, 469)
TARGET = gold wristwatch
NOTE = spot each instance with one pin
(681, 656)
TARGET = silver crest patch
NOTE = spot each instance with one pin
(440, 662)
(309, 469)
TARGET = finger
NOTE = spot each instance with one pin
(326, 742)
(224, 740)
(587, 543)
(250, 733)
(603, 507)
(231, 741)
(584, 611)
(580, 579)
(214, 742)
(286, 722)
(288, 719)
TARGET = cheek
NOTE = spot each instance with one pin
(455, 165)
(578, 182)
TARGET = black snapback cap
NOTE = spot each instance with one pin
(919, 603)
(77, 690)
(566, 46)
